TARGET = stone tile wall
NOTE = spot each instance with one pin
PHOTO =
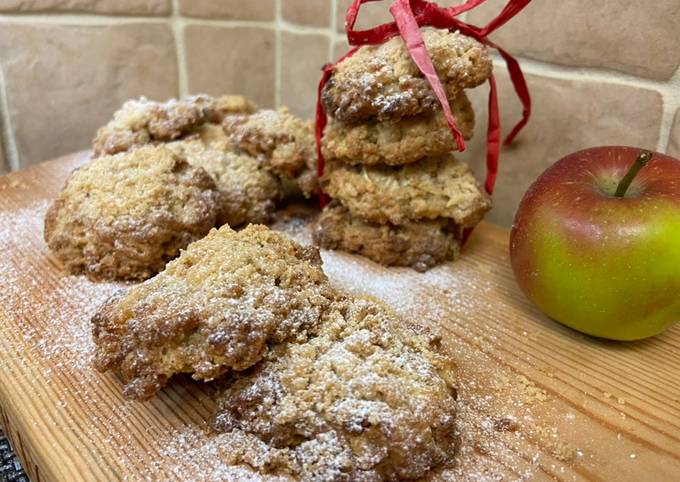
(600, 71)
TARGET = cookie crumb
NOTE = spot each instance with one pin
(506, 424)
(532, 393)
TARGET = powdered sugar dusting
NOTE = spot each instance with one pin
(500, 437)
(208, 457)
(50, 328)
(501, 420)
(57, 328)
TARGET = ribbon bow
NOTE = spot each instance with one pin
(409, 16)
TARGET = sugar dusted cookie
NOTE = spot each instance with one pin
(125, 216)
(382, 82)
(418, 245)
(437, 187)
(215, 309)
(394, 143)
(366, 399)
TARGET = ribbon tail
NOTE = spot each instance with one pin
(413, 39)
(321, 120)
(493, 136)
(458, 9)
(512, 8)
(372, 36)
(520, 85)
(320, 124)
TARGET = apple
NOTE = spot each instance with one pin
(596, 242)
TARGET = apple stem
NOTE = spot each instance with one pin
(641, 161)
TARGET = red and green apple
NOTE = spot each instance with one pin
(596, 242)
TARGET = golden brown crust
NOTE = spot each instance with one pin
(418, 245)
(283, 140)
(248, 192)
(125, 216)
(382, 82)
(397, 143)
(213, 137)
(230, 105)
(216, 308)
(437, 187)
(142, 121)
(366, 399)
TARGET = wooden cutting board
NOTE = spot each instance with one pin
(536, 400)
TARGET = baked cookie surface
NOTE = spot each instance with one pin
(437, 187)
(143, 121)
(248, 192)
(400, 142)
(125, 216)
(218, 107)
(284, 141)
(418, 245)
(214, 309)
(366, 399)
(382, 82)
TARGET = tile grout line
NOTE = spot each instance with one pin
(667, 116)
(84, 19)
(87, 19)
(333, 28)
(668, 89)
(671, 105)
(301, 29)
(177, 25)
(548, 68)
(277, 54)
(535, 66)
(9, 142)
(556, 71)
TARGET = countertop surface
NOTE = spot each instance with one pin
(535, 399)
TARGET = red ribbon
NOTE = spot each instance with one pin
(409, 16)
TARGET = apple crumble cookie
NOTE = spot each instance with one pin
(125, 216)
(394, 143)
(418, 245)
(366, 399)
(382, 82)
(217, 308)
(284, 141)
(437, 187)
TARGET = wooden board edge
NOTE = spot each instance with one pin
(22, 448)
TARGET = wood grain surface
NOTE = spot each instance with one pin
(537, 401)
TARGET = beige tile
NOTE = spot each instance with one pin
(340, 48)
(674, 141)
(640, 38)
(119, 7)
(373, 13)
(567, 116)
(65, 81)
(238, 60)
(316, 13)
(370, 15)
(302, 58)
(229, 9)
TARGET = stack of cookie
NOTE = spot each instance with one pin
(399, 195)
